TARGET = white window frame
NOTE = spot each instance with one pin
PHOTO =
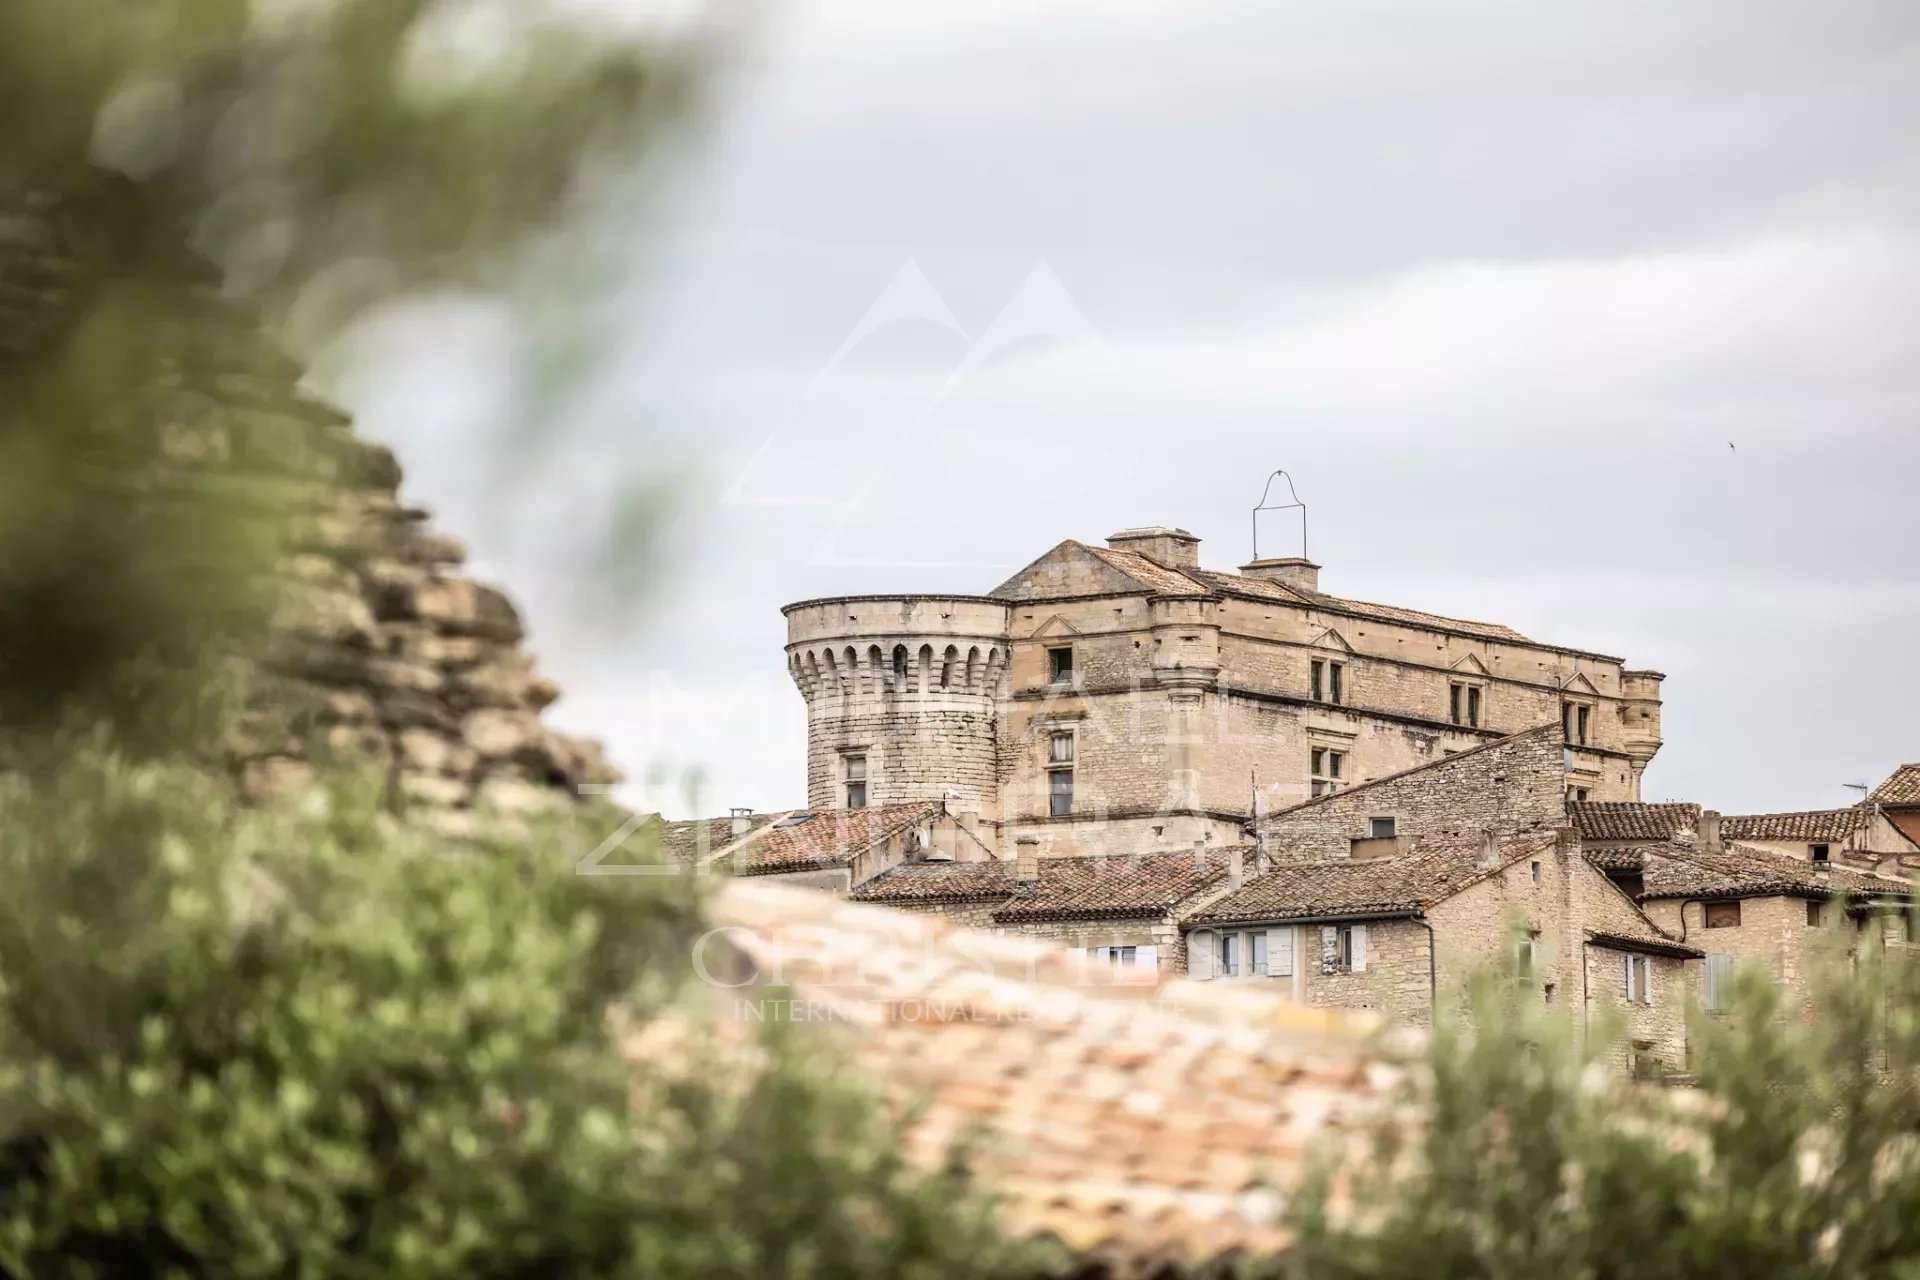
(1639, 976)
(1234, 953)
(849, 779)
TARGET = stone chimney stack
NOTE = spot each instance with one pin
(1172, 548)
(1288, 571)
(1236, 865)
(742, 822)
(1026, 863)
(1710, 831)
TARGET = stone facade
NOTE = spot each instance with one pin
(1185, 697)
(380, 649)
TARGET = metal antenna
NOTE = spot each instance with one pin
(1295, 505)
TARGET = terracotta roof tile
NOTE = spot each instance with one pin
(1433, 871)
(1162, 580)
(1813, 825)
(804, 840)
(1151, 1127)
(1902, 788)
(1630, 820)
(939, 882)
(694, 839)
(1617, 859)
(1682, 869)
(1144, 884)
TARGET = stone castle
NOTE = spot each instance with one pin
(1124, 696)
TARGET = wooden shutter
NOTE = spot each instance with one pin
(1629, 960)
(1280, 953)
(1718, 967)
(1359, 948)
(1146, 957)
(1200, 945)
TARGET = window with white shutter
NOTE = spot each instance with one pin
(1718, 988)
(1201, 944)
(1280, 953)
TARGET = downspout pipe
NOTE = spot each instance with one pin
(1433, 967)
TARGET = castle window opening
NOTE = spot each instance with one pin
(1060, 665)
(1059, 774)
(1819, 852)
(1328, 765)
(1463, 704)
(1574, 719)
(900, 663)
(1328, 680)
(854, 766)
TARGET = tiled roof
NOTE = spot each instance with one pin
(1144, 884)
(1263, 589)
(1617, 859)
(1161, 579)
(803, 841)
(1682, 869)
(1630, 820)
(939, 882)
(1902, 788)
(1434, 871)
(1151, 1126)
(1815, 824)
(1661, 945)
(691, 840)
(1332, 797)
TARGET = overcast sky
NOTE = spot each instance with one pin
(1597, 320)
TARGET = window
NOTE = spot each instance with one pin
(1328, 680)
(1577, 794)
(1815, 914)
(1535, 865)
(1127, 957)
(1723, 915)
(1574, 719)
(1060, 748)
(855, 769)
(1240, 953)
(900, 662)
(1060, 665)
(1523, 961)
(1343, 948)
(1639, 988)
(1059, 793)
(1463, 704)
(1718, 986)
(1580, 723)
(1380, 828)
(1819, 852)
(1328, 765)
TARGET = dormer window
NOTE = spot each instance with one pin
(1060, 665)
(1328, 680)
(1819, 852)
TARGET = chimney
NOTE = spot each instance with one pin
(1710, 831)
(1566, 844)
(1173, 548)
(1236, 865)
(1288, 571)
(741, 823)
(1026, 863)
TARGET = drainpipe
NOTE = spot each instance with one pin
(1433, 969)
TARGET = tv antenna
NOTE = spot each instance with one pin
(1264, 505)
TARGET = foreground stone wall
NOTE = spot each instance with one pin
(381, 650)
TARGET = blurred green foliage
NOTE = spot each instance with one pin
(1795, 1152)
(310, 1042)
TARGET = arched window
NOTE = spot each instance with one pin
(900, 665)
(946, 667)
(926, 666)
(973, 667)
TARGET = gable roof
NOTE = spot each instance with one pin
(939, 882)
(1813, 824)
(1615, 920)
(1345, 887)
(1113, 573)
(1684, 869)
(1901, 788)
(807, 841)
(1177, 1114)
(1442, 763)
(1630, 820)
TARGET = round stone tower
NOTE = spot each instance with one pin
(902, 694)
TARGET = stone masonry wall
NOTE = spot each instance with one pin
(1510, 786)
(382, 650)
